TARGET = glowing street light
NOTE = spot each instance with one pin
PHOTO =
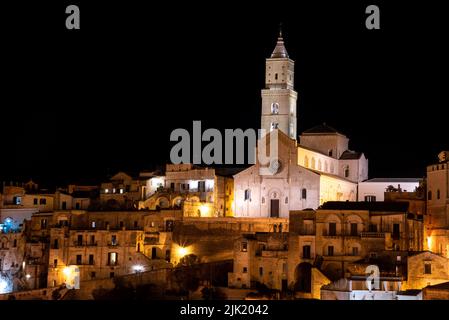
(182, 251)
(138, 268)
(28, 276)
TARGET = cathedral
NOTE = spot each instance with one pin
(317, 168)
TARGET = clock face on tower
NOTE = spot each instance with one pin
(275, 166)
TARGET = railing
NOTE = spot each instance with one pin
(372, 235)
(84, 244)
(113, 244)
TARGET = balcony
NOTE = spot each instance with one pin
(84, 244)
(113, 244)
(372, 235)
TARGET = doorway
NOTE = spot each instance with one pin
(274, 208)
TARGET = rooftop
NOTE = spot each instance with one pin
(368, 206)
(394, 180)
(321, 129)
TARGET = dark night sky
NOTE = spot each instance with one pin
(80, 104)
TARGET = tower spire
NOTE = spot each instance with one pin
(280, 51)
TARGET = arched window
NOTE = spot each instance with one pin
(286, 200)
(304, 193)
(275, 76)
(313, 163)
(263, 200)
(429, 195)
(319, 165)
(438, 194)
(274, 125)
(274, 108)
(347, 172)
(306, 162)
(330, 153)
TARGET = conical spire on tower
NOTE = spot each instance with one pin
(280, 51)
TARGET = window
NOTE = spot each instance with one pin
(263, 200)
(44, 224)
(93, 274)
(112, 258)
(244, 246)
(245, 269)
(77, 206)
(111, 275)
(261, 271)
(78, 259)
(306, 252)
(247, 194)
(427, 268)
(93, 224)
(121, 224)
(35, 201)
(332, 229)
(355, 251)
(353, 229)
(274, 108)
(429, 195)
(347, 172)
(114, 240)
(55, 263)
(42, 201)
(396, 231)
(306, 162)
(17, 200)
(304, 193)
(286, 200)
(313, 163)
(91, 259)
(370, 198)
(172, 185)
(438, 194)
(274, 125)
(330, 250)
(80, 240)
(275, 76)
(136, 224)
(330, 152)
(106, 190)
(121, 190)
(64, 205)
(15, 243)
(55, 244)
(92, 240)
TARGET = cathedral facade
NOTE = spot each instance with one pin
(318, 168)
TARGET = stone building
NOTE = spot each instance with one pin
(318, 169)
(436, 292)
(437, 219)
(426, 269)
(260, 258)
(101, 244)
(340, 234)
(198, 191)
(123, 192)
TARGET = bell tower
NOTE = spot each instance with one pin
(279, 97)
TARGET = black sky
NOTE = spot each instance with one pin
(77, 105)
